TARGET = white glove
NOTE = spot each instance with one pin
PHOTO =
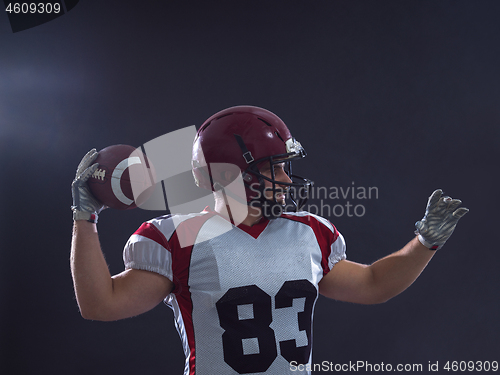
(85, 205)
(440, 219)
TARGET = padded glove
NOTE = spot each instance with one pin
(440, 219)
(85, 205)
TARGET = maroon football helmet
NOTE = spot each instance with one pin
(246, 137)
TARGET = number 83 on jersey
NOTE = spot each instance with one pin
(246, 313)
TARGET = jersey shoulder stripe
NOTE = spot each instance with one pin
(330, 241)
(151, 231)
(149, 248)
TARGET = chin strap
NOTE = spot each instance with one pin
(220, 188)
(247, 155)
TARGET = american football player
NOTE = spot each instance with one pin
(242, 277)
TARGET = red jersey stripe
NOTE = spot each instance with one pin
(186, 234)
(324, 236)
(150, 231)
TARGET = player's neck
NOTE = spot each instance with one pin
(238, 213)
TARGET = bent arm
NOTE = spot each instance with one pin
(380, 281)
(102, 297)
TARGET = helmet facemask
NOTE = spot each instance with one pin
(295, 192)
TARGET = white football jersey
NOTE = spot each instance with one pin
(244, 296)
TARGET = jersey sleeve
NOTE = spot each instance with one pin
(332, 243)
(338, 250)
(148, 249)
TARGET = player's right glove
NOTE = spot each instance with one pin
(440, 219)
(85, 205)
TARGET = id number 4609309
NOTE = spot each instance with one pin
(34, 7)
(471, 366)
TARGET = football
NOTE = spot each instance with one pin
(124, 178)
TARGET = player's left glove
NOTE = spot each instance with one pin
(85, 205)
(440, 219)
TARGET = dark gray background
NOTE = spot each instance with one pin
(400, 95)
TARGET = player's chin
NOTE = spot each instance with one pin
(279, 198)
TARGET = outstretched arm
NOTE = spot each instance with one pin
(100, 296)
(389, 276)
(380, 281)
